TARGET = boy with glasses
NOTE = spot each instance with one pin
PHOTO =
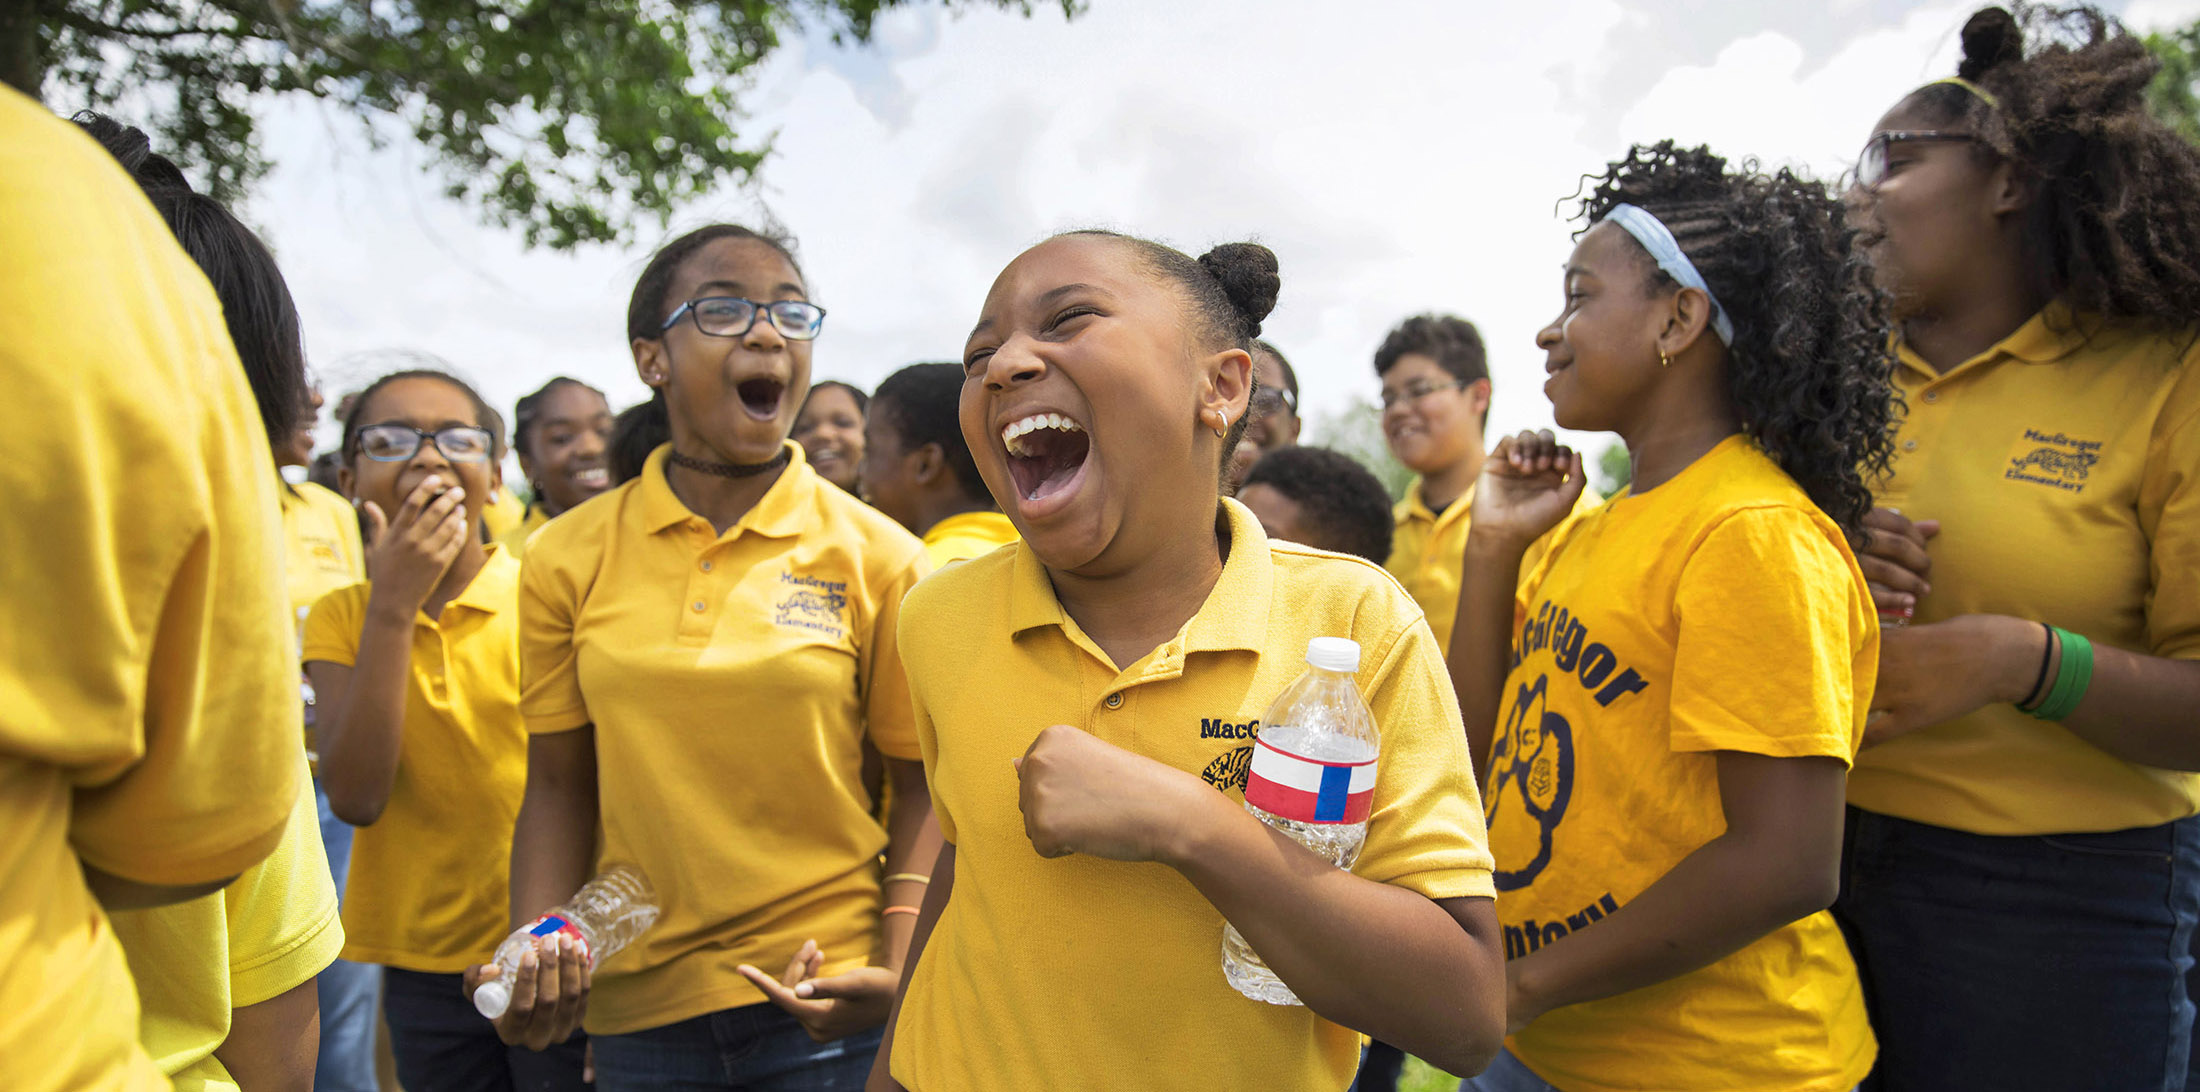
(1436, 401)
(1272, 421)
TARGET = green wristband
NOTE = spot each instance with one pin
(2072, 677)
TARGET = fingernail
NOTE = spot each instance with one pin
(527, 959)
(458, 491)
(432, 480)
(804, 990)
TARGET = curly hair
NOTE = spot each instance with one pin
(1811, 366)
(1343, 500)
(2114, 225)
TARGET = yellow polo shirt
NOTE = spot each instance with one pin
(1720, 611)
(514, 541)
(429, 882)
(148, 698)
(269, 932)
(1088, 973)
(731, 680)
(965, 535)
(322, 550)
(1428, 551)
(2064, 466)
(503, 517)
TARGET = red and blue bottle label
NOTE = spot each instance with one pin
(1307, 790)
(551, 924)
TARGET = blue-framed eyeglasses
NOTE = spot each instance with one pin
(395, 443)
(732, 316)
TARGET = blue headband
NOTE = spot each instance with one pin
(1652, 233)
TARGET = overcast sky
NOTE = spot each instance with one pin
(1397, 157)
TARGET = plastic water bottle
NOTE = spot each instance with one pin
(604, 916)
(1313, 778)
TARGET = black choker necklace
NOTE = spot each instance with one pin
(728, 470)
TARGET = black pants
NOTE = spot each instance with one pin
(443, 1045)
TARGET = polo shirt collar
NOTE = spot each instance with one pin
(1235, 615)
(2045, 338)
(778, 514)
(494, 588)
(1417, 508)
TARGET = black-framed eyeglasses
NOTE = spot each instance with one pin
(1871, 163)
(395, 443)
(1414, 392)
(732, 316)
(1269, 400)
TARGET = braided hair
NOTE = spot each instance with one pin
(1811, 365)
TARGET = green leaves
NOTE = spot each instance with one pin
(571, 121)
(2172, 94)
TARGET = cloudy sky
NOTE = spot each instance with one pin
(1398, 157)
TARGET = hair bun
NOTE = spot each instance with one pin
(1250, 276)
(1991, 38)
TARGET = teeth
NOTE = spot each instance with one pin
(593, 476)
(1012, 436)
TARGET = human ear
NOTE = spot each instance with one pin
(1227, 387)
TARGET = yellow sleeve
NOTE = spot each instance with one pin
(1425, 833)
(549, 679)
(1775, 635)
(334, 625)
(2169, 512)
(283, 926)
(886, 709)
(921, 726)
(170, 624)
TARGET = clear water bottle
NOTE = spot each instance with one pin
(1313, 778)
(603, 916)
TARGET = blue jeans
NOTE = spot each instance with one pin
(1380, 1066)
(443, 1045)
(755, 1048)
(1506, 1074)
(2053, 962)
(346, 990)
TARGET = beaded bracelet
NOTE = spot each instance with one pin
(2072, 677)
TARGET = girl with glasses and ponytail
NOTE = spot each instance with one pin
(2024, 857)
(1665, 711)
(706, 649)
(422, 748)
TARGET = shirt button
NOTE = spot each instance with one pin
(698, 606)
(1115, 700)
(1932, 396)
(706, 566)
(1909, 445)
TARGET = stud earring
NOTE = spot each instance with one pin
(1664, 361)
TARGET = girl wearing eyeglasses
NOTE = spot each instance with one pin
(1665, 710)
(422, 747)
(705, 651)
(2023, 878)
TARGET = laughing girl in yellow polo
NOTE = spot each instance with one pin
(705, 650)
(1086, 698)
(1665, 713)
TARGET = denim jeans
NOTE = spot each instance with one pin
(755, 1048)
(2052, 962)
(1380, 1066)
(346, 990)
(443, 1045)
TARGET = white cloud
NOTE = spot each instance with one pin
(1398, 157)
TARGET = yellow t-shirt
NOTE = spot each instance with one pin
(731, 680)
(1720, 611)
(2065, 471)
(965, 535)
(1089, 973)
(148, 700)
(195, 962)
(429, 882)
(514, 541)
(1428, 550)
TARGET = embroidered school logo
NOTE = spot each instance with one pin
(1227, 771)
(2055, 460)
(325, 554)
(1533, 761)
(809, 603)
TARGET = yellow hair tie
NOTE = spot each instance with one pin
(1983, 94)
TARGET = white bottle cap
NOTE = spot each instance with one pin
(491, 998)
(1334, 654)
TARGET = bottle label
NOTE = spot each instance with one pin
(1308, 790)
(550, 924)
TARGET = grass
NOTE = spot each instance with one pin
(1423, 1077)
